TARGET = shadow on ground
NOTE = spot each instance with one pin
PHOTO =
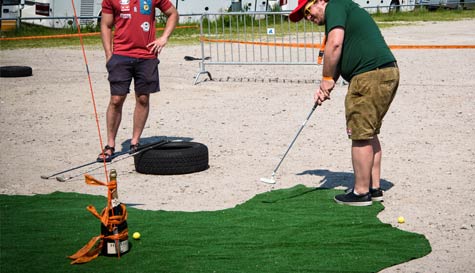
(333, 180)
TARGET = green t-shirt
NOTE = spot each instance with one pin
(364, 48)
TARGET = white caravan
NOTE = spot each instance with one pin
(201, 6)
(259, 5)
(190, 10)
(46, 12)
(10, 10)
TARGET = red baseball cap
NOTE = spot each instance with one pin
(297, 14)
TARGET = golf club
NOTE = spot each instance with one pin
(140, 150)
(68, 170)
(84, 165)
(272, 179)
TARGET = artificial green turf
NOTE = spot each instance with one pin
(293, 230)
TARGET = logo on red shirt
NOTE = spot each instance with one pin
(145, 26)
(124, 5)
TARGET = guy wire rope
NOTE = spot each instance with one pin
(90, 86)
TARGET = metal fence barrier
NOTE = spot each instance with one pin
(248, 38)
(256, 38)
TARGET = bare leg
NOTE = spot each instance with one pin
(141, 111)
(362, 158)
(114, 117)
(376, 170)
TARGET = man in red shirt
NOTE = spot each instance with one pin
(131, 53)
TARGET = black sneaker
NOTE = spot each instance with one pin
(376, 194)
(352, 199)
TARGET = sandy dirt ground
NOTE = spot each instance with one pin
(47, 124)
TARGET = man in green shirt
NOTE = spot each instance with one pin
(356, 51)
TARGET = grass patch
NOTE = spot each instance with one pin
(294, 230)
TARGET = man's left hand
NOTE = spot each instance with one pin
(323, 92)
(157, 45)
(327, 86)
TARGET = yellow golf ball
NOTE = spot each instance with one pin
(136, 235)
(401, 220)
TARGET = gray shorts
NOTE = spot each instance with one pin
(123, 69)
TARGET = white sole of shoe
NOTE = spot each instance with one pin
(355, 204)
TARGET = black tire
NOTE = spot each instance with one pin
(173, 158)
(15, 71)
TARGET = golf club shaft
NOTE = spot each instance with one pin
(68, 170)
(146, 148)
(295, 138)
(80, 166)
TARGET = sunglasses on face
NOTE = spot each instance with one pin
(306, 11)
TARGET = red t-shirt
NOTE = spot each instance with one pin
(134, 22)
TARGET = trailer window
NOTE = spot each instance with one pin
(11, 2)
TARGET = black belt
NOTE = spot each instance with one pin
(386, 65)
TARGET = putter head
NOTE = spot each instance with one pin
(60, 178)
(44, 177)
(268, 180)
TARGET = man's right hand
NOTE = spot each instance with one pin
(108, 57)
